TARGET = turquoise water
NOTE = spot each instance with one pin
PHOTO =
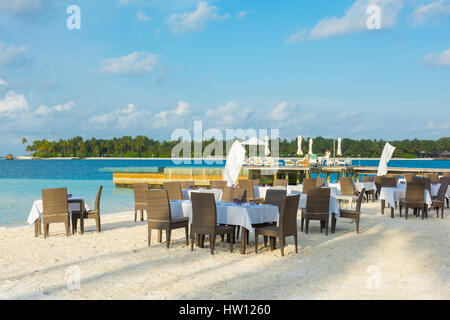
(21, 181)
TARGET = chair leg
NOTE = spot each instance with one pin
(272, 243)
(212, 242)
(237, 233)
(296, 242)
(135, 215)
(306, 225)
(357, 223)
(98, 223)
(192, 239)
(326, 227)
(301, 225)
(406, 213)
(74, 225)
(282, 245)
(442, 212)
(186, 230)
(265, 241)
(82, 225)
(159, 235)
(142, 214)
(149, 237)
(46, 228)
(256, 242)
(168, 232)
(231, 241)
(67, 225)
(247, 236)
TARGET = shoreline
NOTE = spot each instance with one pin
(193, 159)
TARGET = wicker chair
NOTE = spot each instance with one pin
(287, 225)
(369, 193)
(320, 182)
(414, 198)
(173, 190)
(309, 184)
(434, 178)
(409, 177)
(186, 184)
(217, 184)
(378, 185)
(159, 216)
(55, 205)
(275, 197)
(350, 214)
(248, 185)
(204, 220)
(280, 183)
(347, 187)
(227, 194)
(439, 202)
(91, 214)
(317, 208)
(442, 180)
(255, 182)
(239, 194)
(139, 199)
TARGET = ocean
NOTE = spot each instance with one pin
(21, 181)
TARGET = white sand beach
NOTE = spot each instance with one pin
(389, 259)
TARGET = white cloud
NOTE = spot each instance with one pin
(167, 117)
(242, 14)
(438, 59)
(280, 112)
(121, 117)
(3, 82)
(44, 110)
(431, 11)
(134, 64)
(143, 17)
(11, 54)
(20, 6)
(229, 114)
(354, 20)
(13, 104)
(196, 20)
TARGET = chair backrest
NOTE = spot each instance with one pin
(217, 184)
(275, 197)
(409, 177)
(280, 183)
(378, 182)
(186, 184)
(288, 214)
(388, 182)
(395, 176)
(318, 200)
(320, 182)
(359, 201)
(173, 189)
(239, 194)
(309, 184)
(445, 179)
(415, 191)
(204, 214)
(227, 194)
(347, 187)
(97, 199)
(434, 178)
(255, 182)
(446, 174)
(247, 185)
(158, 206)
(442, 190)
(368, 179)
(139, 190)
(54, 202)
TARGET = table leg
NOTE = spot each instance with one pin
(382, 206)
(392, 212)
(243, 239)
(37, 227)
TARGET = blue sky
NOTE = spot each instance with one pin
(308, 68)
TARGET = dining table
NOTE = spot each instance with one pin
(187, 193)
(260, 191)
(393, 194)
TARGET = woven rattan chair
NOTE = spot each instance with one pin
(434, 177)
(217, 184)
(139, 199)
(439, 202)
(369, 193)
(280, 183)
(378, 185)
(255, 182)
(320, 182)
(409, 177)
(159, 216)
(414, 198)
(317, 208)
(91, 214)
(309, 184)
(56, 210)
(347, 186)
(442, 180)
(186, 184)
(350, 214)
(275, 197)
(173, 189)
(287, 225)
(204, 220)
(227, 194)
(248, 185)
(239, 194)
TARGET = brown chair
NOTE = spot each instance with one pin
(186, 184)
(388, 182)
(287, 225)
(442, 180)
(369, 193)
(159, 216)
(414, 198)
(409, 177)
(56, 210)
(173, 190)
(309, 184)
(317, 208)
(280, 183)
(248, 185)
(439, 202)
(139, 199)
(378, 185)
(227, 194)
(275, 197)
(239, 194)
(320, 182)
(91, 214)
(347, 186)
(255, 182)
(217, 184)
(204, 220)
(350, 214)
(433, 177)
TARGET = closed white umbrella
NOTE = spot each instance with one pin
(339, 151)
(310, 146)
(266, 146)
(234, 163)
(384, 159)
(299, 146)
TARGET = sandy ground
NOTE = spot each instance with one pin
(389, 259)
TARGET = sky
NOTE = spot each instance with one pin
(137, 67)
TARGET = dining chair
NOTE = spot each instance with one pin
(320, 182)
(309, 184)
(186, 184)
(204, 220)
(378, 186)
(369, 193)
(91, 214)
(347, 186)
(439, 201)
(433, 177)
(255, 182)
(248, 185)
(159, 216)
(227, 194)
(140, 205)
(409, 177)
(173, 189)
(280, 183)
(414, 198)
(350, 214)
(217, 184)
(275, 197)
(287, 225)
(446, 179)
(55, 209)
(317, 208)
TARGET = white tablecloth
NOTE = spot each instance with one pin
(229, 213)
(37, 209)
(260, 191)
(334, 204)
(392, 195)
(217, 193)
(358, 186)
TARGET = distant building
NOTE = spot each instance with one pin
(422, 154)
(441, 154)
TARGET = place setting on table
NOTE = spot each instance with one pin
(187, 192)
